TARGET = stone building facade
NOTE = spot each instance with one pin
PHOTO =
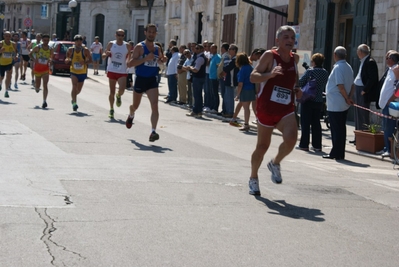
(325, 24)
(89, 18)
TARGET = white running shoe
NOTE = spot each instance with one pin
(276, 175)
(254, 186)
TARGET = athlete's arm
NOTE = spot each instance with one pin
(129, 47)
(137, 60)
(50, 60)
(263, 71)
(161, 58)
(15, 49)
(68, 55)
(88, 58)
(107, 51)
(33, 51)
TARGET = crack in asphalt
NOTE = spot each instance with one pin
(51, 245)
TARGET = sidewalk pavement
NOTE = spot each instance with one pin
(326, 134)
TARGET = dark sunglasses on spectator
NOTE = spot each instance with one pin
(120, 35)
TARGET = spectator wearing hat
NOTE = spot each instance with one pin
(96, 49)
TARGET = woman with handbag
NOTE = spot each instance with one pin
(312, 108)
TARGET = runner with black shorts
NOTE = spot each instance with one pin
(8, 51)
(146, 56)
(25, 42)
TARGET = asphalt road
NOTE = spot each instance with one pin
(79, 189)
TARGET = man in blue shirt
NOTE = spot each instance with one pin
(339, 90)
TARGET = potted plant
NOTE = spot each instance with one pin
(370, 140)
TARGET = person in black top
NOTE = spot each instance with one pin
(311, 109)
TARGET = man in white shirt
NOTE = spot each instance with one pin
(96, 49)
(171, 73)
(387, 96)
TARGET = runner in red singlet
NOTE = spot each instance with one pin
(277, 74)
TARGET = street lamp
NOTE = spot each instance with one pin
(72, 5)
(149, 4)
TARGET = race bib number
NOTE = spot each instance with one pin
(77, 66)
(152, 63)
(7, 55)
(281, 95)
(43, 61)
(116, 65)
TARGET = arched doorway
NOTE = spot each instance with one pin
(99, 27)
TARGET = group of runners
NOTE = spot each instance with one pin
(276, 73)
(14, 54)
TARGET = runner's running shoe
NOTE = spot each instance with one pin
(16, 86)
(111, 114)
(129, 122)
(254, 186)
(75, 107)
(37, 90)
(275, 170)
(118, 100)
(154, 136)
(6, 94)
(44, 104)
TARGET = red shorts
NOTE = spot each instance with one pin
(268, 120)
(115, 76)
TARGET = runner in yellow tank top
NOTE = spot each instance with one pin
(42, 56)
(8, 50)
(79, 57)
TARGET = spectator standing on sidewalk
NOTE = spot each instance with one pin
(311, 109)
(245, 89)
(366, 82)
(198, 73)
(225, 59)
(230, 81)
(207, 87)
(339, 91)
(387, 96)
(213, 79)
(186, 68)
(182, 76)
(171, 74)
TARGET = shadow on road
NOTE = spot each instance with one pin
(283, 208)
(38, 107)
(116, 121)
(354, 164)
(155, 149)
(79, 114)
(6, 102)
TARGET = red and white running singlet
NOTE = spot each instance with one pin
(276, 95)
